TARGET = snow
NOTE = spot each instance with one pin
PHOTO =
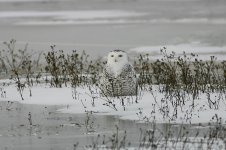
(217, 21)
(70, 17)
(122, 20)
(151, 105)
(203, 51)
(191, 143)
(78, 22)
(82, 14)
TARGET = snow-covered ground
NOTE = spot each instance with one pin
(152, 105)
(203, 52)
(122, 20)
(86, 14)
(69, 17)
(183, 143)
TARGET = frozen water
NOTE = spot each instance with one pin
(103, 25)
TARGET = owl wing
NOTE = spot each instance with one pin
(127, 81)
(128, 71)
(105, 81)
(123, 85)
(107, 72)
(107, 75)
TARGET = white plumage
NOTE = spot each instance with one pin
(119, 78)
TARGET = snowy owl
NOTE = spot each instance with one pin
(118, 78)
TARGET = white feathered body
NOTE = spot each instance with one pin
(118, 78)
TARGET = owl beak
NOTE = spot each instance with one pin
(116, 60)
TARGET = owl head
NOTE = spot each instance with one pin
(117, 57)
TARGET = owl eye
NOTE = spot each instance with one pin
(112, 55)
(119, 55)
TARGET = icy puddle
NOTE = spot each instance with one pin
(36, 127)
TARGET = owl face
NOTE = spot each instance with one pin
(117, 57)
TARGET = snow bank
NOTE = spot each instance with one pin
(74, 21)
(70, 17)
(204, 52)
(151, 105)
(193, 20)
(78, 22)
(191, 143)
(83, 14)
